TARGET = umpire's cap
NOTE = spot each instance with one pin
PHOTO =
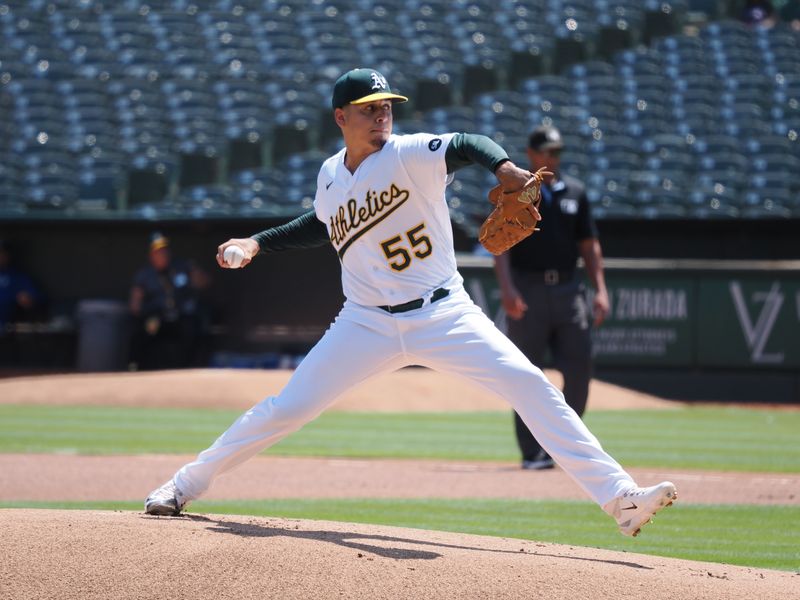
(545, 137)
(360, 86)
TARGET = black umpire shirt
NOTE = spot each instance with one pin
(566, 220)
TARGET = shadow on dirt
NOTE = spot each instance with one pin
(358, 541)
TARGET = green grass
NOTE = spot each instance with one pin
(755, 536)
(731, 439)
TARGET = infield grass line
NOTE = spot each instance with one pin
(725, 439)
(747, 535)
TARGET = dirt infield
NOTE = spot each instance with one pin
(86, 478)
(88, 554)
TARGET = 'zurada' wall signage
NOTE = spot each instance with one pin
(698, 319)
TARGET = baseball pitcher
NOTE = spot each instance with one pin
(380, 202)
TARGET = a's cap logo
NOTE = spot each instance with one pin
(434, 144)
(378, 82)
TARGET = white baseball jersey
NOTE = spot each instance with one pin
(389, 221)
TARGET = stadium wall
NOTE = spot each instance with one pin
(676, 312)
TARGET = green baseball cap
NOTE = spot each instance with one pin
(360, 86)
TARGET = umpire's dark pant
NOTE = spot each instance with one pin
(558, 318)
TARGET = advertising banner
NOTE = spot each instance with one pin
(749, 321)
(691, 317)
(650, 322)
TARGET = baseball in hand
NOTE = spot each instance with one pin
(233, 256)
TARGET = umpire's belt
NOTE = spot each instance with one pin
(551, 276)
(437, 294)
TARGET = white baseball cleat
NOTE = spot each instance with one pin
(167, 500)
(634, 509)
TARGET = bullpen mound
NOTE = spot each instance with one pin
(407, 390)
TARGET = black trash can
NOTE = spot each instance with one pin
(103, 335)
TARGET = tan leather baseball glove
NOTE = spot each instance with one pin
(515, 215)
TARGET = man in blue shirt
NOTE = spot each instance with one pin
(18, 296)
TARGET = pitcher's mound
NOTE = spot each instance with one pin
(84, 555)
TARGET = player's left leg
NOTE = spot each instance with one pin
(455, 336)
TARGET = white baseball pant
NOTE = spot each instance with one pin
(452, 335)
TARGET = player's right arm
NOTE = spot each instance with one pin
(306, 231)
(472, 148)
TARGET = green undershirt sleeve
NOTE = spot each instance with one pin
(306, 231)
(470, 148)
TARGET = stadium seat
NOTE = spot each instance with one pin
(291, 135)
(699, 120)
(768, 211)
(617, 160)
(100, 190)
(712, 9)
(661, 18)
(613, 143)
(450, 119)
(205, 200)
(671, 162)
(49, 193)
(764, 162)
(151, 179)
(530, 47)
(614, 210)
(613, 35)
(433, 88)
(665, 145)
(575, 163)
(714, 209)
(719, 144)
(770, 199)
(717, 201)
(657, 183)
(568, 50)
(200, 164)
(774, 180)
(723, 164)
(711, 179)
(175, 92)
(663, 210)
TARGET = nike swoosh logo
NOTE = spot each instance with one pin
(631, 507)
(328, 185)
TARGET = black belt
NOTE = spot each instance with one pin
(550, 276)
(438, 294)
